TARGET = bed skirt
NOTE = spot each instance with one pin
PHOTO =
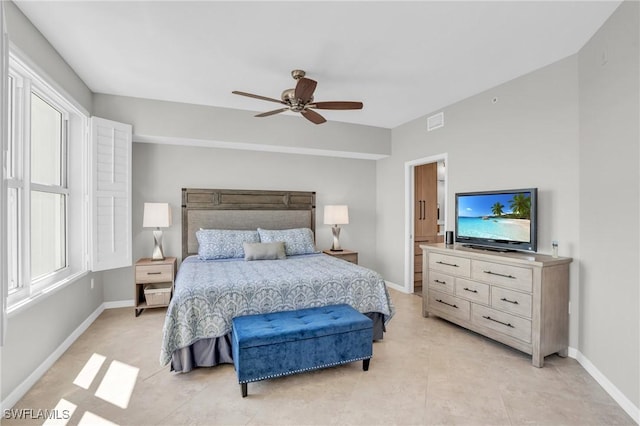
(217, 350)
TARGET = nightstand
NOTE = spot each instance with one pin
(154, 280)
(348, 255)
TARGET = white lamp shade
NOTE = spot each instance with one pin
(336, 215)
(156, 215)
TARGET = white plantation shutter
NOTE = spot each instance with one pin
(111, 195)
(4, 104)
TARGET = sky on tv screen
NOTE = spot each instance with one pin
(480, 205)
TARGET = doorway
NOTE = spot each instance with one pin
(425, 218)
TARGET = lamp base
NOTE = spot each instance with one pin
(335, 229)
(157, 248)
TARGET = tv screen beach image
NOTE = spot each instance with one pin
(495, 216)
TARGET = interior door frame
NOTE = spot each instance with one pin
(409, 191)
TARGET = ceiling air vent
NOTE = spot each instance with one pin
(435, 121)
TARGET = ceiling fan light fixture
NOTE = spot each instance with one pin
(300, 99)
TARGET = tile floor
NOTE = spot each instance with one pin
(425, 371)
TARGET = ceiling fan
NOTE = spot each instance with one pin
(300, 99)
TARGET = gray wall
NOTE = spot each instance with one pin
(609, 203)
(528, 138)
(572, 130)
(174, 122)
(35, 332)
(161, 170)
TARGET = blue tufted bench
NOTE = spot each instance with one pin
(281, 343)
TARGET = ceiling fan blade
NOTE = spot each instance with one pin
(251, 95)
(268, 113)
(312, 116)
(336, 105)
(305, 89)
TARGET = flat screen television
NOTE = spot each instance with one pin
(498, 220)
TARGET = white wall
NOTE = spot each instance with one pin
(528, 138)
(609, 200)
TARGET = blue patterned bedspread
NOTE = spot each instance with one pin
(209, 293)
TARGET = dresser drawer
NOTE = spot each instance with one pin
(449, 304)
(154, 273)
(511, 301)
(441, 282)
(503, 275)
(502, 322)
(450, 264)
(473, 291)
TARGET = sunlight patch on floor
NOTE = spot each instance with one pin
(118, 383)
(89, 371)
(62, 413)
(90, 419)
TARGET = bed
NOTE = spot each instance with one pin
(216, 284)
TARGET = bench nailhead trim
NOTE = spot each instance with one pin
(305, 369)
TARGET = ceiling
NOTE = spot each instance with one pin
(402, 59)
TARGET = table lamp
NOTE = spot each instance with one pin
(157, 215)
(336, 215)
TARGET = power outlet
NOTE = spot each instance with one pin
(92, 283)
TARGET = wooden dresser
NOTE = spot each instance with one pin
(519, 299)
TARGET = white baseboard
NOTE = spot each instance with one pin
(396, 286)
(118, 304)
(606, 384)
(24, 387)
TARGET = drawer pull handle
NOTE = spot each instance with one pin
(504, 299)
(499, 322)
(440, 282)
(448, 264)
(471, 290)
(500, 275)
(445, 303)
(154, 273)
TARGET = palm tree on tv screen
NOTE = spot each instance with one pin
(521, 206)
(497, 209)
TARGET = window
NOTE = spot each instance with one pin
(46, 186)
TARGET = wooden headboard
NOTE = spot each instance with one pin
(243, 209)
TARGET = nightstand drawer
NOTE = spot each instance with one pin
(154, 273)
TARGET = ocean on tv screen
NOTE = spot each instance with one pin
(494, 228)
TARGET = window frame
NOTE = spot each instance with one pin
(28, 80)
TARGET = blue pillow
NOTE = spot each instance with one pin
(296, 241)
(223, 243)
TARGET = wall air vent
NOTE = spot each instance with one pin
(435, 121)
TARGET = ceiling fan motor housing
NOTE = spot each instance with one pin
(289, 97)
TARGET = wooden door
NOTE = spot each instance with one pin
(425, 215)
(426, 201)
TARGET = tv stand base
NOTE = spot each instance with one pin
(496, 249)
